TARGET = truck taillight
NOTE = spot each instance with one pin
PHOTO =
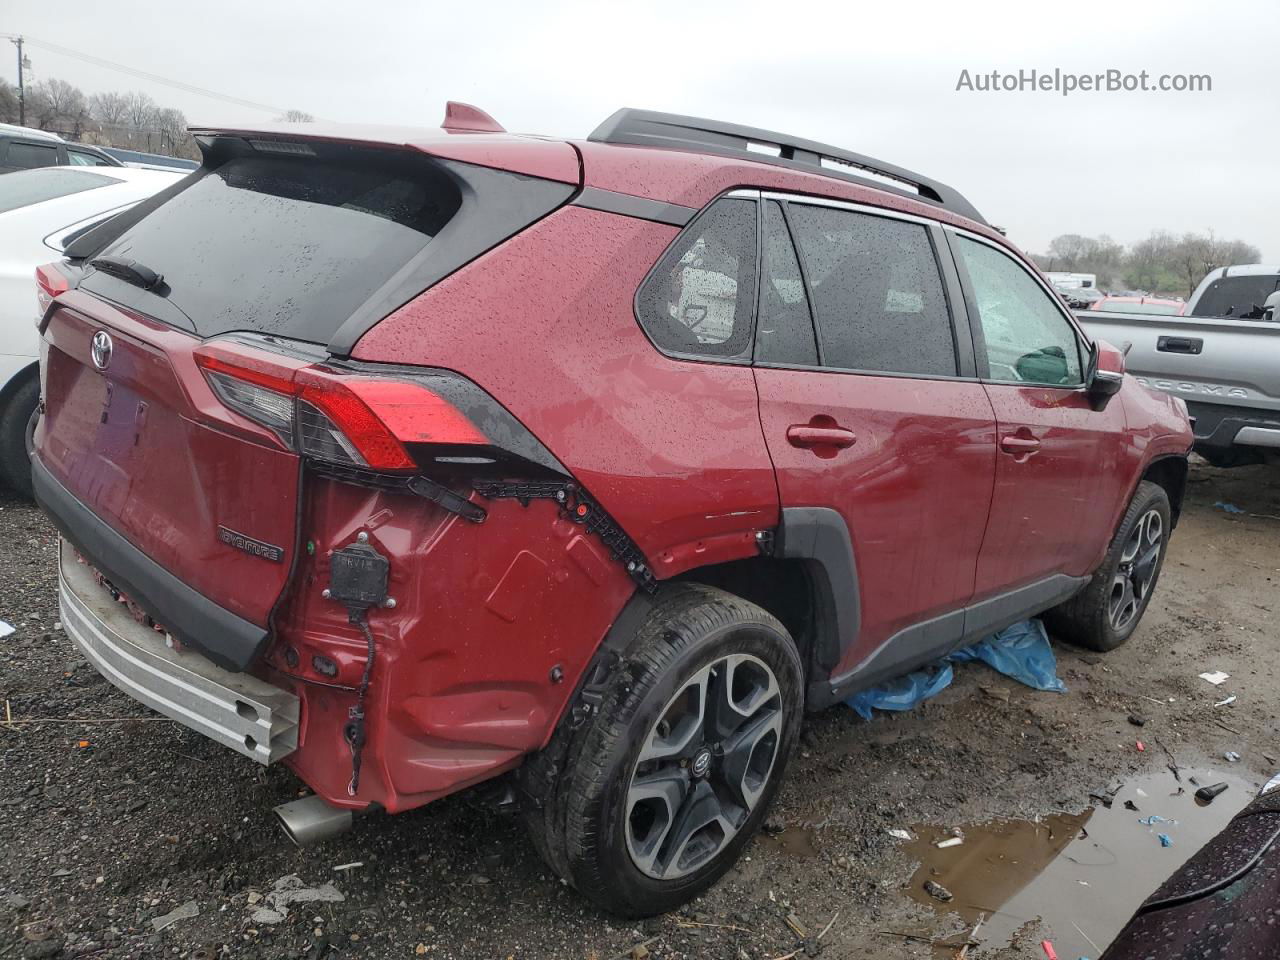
(50, 281)
(339, 417)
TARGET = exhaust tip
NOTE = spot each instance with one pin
(311, 820)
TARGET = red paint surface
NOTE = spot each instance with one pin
(913, 488)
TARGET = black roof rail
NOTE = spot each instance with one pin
(651, 128)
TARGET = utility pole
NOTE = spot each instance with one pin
(22, 93)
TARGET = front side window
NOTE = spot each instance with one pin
(700, 298)
(1028, 340)
(877, 292)
(79, 158)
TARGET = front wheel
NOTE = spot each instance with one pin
(1105, 614)
(653, 797)
(18, 415)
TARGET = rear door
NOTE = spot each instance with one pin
(1060, 467)
(879, 418)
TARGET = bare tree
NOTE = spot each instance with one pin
(57, 105)
(295, 116)
(140, 110)
(8, 102)
(171, 124)
(109, 108)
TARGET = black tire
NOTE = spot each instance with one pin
(579, 812)
(1088, 619)
(15, 462)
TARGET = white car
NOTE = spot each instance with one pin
(41, 211)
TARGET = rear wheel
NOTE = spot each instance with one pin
(652, 798)
(15, 462)
(1105, 614)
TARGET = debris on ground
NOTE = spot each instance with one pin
(1223, 703)
(1165, 840)
(1232, 756)
(188, 911)
(1137, 720)
(5, 629)
(949, 842)
(1229, 507)
(937, 891)
(899, 834)
(1021, 652)
(1208, 793)
(1142, 747)
(1215, 677)
(289, 890)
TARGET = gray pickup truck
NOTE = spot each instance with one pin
(1222, 358)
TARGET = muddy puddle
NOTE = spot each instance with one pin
(1083, 874)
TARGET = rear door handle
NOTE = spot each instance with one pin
(806, 436)
(1180, 344)
(1019, 445)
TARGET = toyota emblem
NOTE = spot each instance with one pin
(100, 349)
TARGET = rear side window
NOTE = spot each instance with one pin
(785, 330)
(877, 292)
(29, 155)
(284, 245)
(700, 298)
(26, 187)
(1241, 297)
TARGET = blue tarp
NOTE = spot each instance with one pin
(1021, 651)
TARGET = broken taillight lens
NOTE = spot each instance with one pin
(345, 418)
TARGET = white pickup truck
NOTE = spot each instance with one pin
(1222, 357)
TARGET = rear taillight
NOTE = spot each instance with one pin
(50, 281)
(338, 417)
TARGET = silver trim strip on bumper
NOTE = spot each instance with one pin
(1258, 437)
(237, 710)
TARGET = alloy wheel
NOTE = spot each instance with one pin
(1136, 572)
(703, 766)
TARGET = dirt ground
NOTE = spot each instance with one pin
(107, 826)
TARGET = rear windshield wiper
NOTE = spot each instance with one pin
(130, 271)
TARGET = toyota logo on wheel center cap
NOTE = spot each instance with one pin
(100, 349)
(701, 765)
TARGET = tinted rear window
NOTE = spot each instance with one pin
(26, 187)
(1240, 297)
(284, 245)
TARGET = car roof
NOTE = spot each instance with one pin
(1244, 270)
(13, 130)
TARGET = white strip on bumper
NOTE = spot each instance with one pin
(239, 711)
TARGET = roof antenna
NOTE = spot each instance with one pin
(463, 117)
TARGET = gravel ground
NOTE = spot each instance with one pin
(108, 826)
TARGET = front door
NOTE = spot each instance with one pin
(874, 419)
(1058, 467)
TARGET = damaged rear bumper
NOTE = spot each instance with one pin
(237, 710)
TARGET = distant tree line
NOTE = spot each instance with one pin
(1163, 263)
(132, 121)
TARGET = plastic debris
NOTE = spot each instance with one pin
(5, 629)
(1223, 703)
(1166, 840)
(938, 891)
(1208, 793)
(1142, 747)
(1152, 820)
(1228, 507)
(187, 911)
(1232, 756)
(1047, 947)
(1215, 677)
(1272, 784)
(289, 890)
(1130, 805)
(1021, 651)
(899, 834)
(949, 842)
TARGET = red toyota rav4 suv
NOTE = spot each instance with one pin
(410, 458)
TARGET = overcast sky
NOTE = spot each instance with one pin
(877, 78)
